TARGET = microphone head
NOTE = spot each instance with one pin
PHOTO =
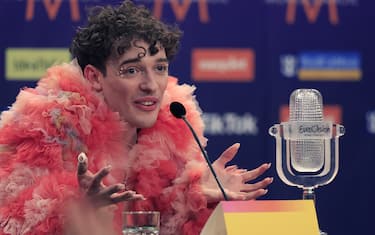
(305, 105)
(307, 155)
(177, 109)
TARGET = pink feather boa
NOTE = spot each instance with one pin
(48, 126)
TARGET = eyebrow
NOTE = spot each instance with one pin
(136, 60)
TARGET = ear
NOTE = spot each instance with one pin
(93, 75)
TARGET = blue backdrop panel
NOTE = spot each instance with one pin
(327, 45)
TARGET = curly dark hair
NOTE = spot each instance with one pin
(111, 30)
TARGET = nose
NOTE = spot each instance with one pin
(148, 83)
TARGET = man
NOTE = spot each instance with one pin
(110, 107)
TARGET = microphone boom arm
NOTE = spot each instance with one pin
(206, 157)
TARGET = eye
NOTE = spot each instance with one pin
(127, 72)
(161, 68)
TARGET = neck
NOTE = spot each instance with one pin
(131, 137)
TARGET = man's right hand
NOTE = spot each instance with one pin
(94, 189)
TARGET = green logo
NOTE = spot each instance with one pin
(32, 63)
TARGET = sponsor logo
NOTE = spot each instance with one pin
(52, 8)
(322, 66)
(332, 113)
(179, 8)
(220, 64)
(288, 65)
(370, 118)
(312, 9)
(31, 63)
(230, 124)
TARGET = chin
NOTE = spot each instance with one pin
(146, 123)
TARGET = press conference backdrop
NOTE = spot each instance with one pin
(245, 57)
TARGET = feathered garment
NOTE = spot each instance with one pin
(49, 125)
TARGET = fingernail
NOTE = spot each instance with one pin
(237, 145)
(121, 187)
(108, 167)
(265, 191)
(82, 158)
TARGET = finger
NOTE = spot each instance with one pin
(247, 196)
(259, 185)
(82, 164)
(97, 179)
(255, 194)
(240, 171)
(126, 196)
(112, 189)
(231, 168)
(227, 155)
(253, 174)
(235, 170)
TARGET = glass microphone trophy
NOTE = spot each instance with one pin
(307, 146)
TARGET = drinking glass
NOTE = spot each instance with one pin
(141, 223)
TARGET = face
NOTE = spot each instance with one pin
(134, 86)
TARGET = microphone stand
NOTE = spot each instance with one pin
(309, 194)
(206, 157)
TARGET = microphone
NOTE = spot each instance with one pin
(307, 146)
(305, 105)
(178, 110)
